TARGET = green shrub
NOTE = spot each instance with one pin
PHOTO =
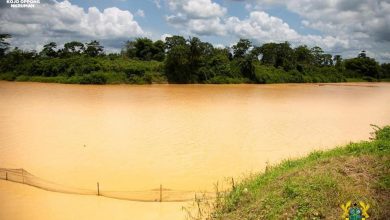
(9, 76)
(382, 133)
(22, 78)
(113, 77)
(226, 80)
(57, 79)
(94, 78)
(134, 79)
(369, 79)
(134, 71)
(74, 80)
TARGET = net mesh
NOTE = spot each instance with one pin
(153, 195)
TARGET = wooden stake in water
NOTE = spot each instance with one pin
(98, 190)
(6, 175)
(160, 192)
(23, 176)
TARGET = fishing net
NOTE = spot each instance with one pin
(153, 195)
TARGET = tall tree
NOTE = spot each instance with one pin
(278, 55)
(244, 58)
(362, 66)
(303, 55)
(385, 70)
(49, 50)
(158, 50)
(338, 60)
(93, 48)
(74, 47)
(285, 56)
(199, 55)
(241, 48)
(269, 53)
(4, 45)
(327, 60)
(171, 42)
(362, 54)
(130, 50)
(317, 53)
(177, 64)
(144, 48)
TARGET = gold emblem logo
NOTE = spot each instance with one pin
(355, 211)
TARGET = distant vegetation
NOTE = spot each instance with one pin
(180, 60)
(313, 187)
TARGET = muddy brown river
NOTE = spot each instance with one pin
(184, 137)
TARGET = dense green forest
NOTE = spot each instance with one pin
(180, 60)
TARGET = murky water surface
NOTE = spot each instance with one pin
(185, 137)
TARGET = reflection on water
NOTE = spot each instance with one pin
(185, 137)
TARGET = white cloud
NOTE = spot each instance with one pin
(211, 26)
(63, 21)
(335, 17)
(220, 46)
(248, 6)
(140, 13)
(157, 3)
(211, 19)
(112, 22)
(197, 8)
(200, 17)
(262, 28)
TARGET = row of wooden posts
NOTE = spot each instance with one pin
(98, 191)
(98, 187)
(6, 176)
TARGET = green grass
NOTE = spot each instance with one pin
(355, 80)
(315, 186)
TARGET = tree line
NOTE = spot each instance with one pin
(180, 60)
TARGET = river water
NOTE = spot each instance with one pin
(185, 137)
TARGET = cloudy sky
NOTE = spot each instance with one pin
(338, 26)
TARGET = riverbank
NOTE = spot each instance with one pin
(81, 69)
(109, 78)
(315, 186)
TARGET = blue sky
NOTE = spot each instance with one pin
(338, 26)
